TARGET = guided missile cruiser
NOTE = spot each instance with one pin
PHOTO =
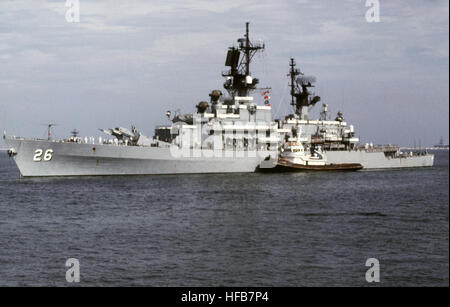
(230, 132)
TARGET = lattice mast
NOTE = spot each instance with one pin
(239, 81)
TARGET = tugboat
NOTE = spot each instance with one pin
(297, 155)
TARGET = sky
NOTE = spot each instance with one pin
(128, 62)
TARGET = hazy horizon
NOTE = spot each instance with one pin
(129, 62)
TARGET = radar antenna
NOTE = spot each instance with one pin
(293, 73)
(300, 95)
(238, 78)
(75, 133)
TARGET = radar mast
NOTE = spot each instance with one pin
(300, 95)
(239, 81)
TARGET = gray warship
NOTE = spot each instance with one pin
(230, 133)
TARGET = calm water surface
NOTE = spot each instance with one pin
(300, 229)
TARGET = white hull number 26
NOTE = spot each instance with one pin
(47, 156)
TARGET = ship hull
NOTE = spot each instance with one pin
(74, 159)
(285, 165)
(378, 160)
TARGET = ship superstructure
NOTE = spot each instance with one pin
(335, 137)
(228, 133)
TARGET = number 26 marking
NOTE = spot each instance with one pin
(38, 155)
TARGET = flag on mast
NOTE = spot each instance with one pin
(266, 95)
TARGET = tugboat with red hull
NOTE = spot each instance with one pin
(299, 155)
(286, 166)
